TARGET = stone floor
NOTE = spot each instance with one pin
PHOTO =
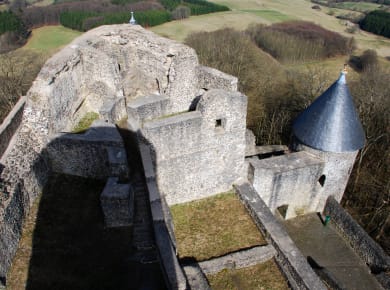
(331, 251)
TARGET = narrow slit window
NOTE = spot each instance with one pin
(321, 180)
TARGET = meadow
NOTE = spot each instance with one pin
(246, 12)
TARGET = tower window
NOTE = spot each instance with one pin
(218, 123)
(321, 180)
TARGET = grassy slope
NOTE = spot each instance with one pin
(245, 12)
(49, 39)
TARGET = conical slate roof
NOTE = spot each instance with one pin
(331, 122)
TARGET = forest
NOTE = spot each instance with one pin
(84, 15)
(277, 93)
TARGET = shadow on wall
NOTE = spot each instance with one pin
(70, 246)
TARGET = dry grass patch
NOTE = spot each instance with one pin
(213, 227)
(262, 276)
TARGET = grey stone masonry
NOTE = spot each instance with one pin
(196, 278)
(238, 260)
(146, 108)
(335, 173)
(199, 153)
(369, 251)
(117, 202)
(289, 258)
(10, 124)
(98, 153)
(162, 226)
(290, 179)
(210, 78)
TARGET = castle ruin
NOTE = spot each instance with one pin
(190, 125)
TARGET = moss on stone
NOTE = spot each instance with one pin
(85, 122)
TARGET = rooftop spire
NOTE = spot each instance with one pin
(132, 19)
(331, 122)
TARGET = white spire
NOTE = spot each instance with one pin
(132, 19)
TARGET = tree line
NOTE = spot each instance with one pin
(84, 15)
(297, 41)
(377, 22)
(276, 95)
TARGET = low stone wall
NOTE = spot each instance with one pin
(361, 242)
(290, 179)
(10, 124)
(24, 172)
(162, 226)
(98, 153)
(291, 261)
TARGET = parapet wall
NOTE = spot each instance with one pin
(369, 251)
(24, 174)
(290, 180)
(98, 153)
(200, 153)
(10, 124)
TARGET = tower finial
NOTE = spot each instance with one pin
(132, 19)
(345, 69)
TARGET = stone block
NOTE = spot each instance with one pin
(117, 202)
(117, 160)
(146, 108)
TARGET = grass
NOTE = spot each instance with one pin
(271, 15)
(180, 29)
(64, 243)
(259, 277)
(213, 227)
(245, 12)
(49, 39)
(85, 122)
(358, 6)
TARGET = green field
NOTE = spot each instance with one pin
(271, 15)
(246, 12)
(49, 39)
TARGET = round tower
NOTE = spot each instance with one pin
(330, 129)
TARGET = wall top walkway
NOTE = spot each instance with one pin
(331, 251)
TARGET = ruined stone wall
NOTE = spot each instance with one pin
(24, 173)
(200, 153)
(11, 124)
(98, 153)
(290, 180)
(335, 174)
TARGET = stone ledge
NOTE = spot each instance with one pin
(291, 261)
(10, 125)
(238, 260)
(195, 277)
(368, 250)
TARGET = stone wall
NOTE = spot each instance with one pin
(10, 124)
(293, 264)
(98, 153)
(290, 179)
(335, 174)
(371, 253)
(23, 175)
(199, 153)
